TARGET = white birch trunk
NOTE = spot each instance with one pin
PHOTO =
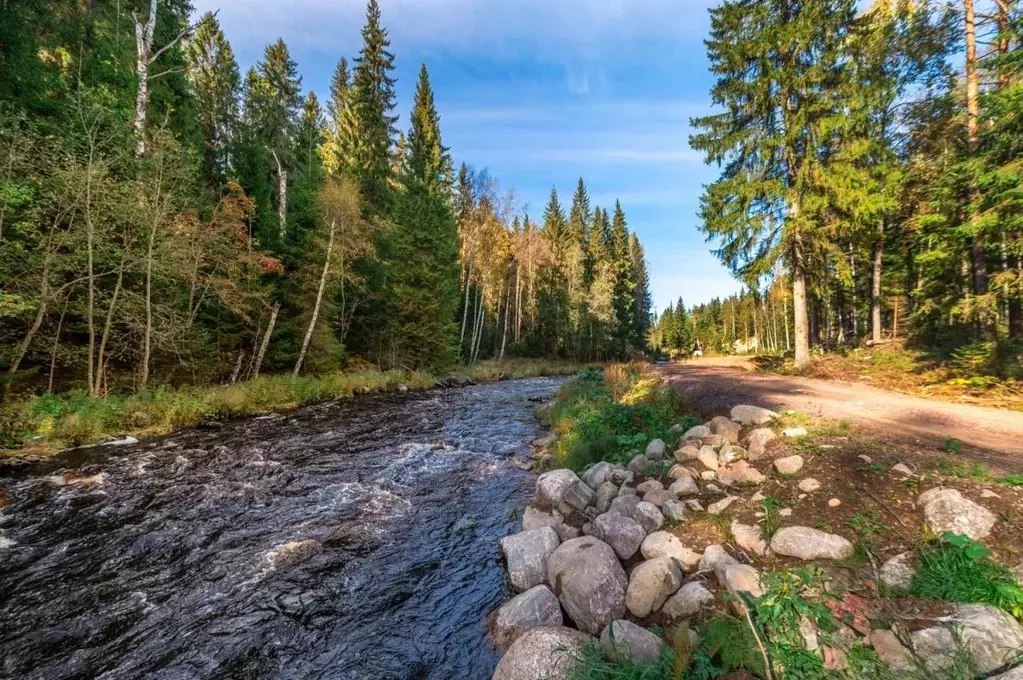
(319, 299)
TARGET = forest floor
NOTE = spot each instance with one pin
(990, 436)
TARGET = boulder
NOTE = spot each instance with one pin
(551, 487)
(638, 465)
(674, 510)
(757, 441)
(534, 518)
(626, 491)
(717, 507)
(658, 497)
(663, 544)
(694, 505)
(752, 415)
(684, 486)
(809, 485)
(598, 474)
(566, 532)
(948, 510)
(625, 505)
(810, 544)
(749, 537)
(890, 649)
(708, 457)
(1014, 674)
(788, 465)
(549, 652)
(729, 453)
(577, 495)
(649, 516)
(739, 473)
(991, 636)
(606, 493)
(697, 432)
(742, 578)
(655, 450)
(621, 476)
(652, 582)
(688, 452)
(589, 581)
(622, 533)
(527, 554)
(536, 607)
(715, 440)
(715, 559)
(725, 427)
(688, 601)
(898, 572)
(678, 472)
(623, 640)
(649, 485)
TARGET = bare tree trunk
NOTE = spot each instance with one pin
(875, 285)
(237, 367)
(282, 197)
(852, 269)
(89, 244)
(799, 310)
(26, 342)
(977, 251)
(148, 336)
(56, 345)
(465, 309)
(143, 47)
(507, 313)
(319, 299)
(274, 311)
(110, 317)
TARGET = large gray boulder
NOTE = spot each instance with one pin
(550, 652)
(622, 533)
(715, 560)
(649, 516)
(948, 510)
(589, 581)
(527, 553)
(652, 582)
(655, 450)
(688, 601)
(598, 474)
(623, 640)
(551, 487)
(534, 518)
(606, 493)
(536, 607)
(578, 496)
(752, 415)
(991, 636)
(684, 486)
(725, 427)
(674, 510)
(810, 544)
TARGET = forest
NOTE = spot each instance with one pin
(870, 178)
(168, 220)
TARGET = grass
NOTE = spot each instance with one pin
(958, 569)
(612, 414)
(50, 422)
(972, 471)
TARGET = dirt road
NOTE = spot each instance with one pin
(716, 384)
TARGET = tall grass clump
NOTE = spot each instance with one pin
(611, 414)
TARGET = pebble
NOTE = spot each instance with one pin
(809, 484)
(834, 503)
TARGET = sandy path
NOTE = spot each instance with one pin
(716, 384)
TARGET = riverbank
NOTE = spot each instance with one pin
(759, 544)
(45, 424)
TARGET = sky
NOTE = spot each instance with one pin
(541, 92)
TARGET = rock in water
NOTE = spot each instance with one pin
(550, 652)
(810, 544)
(947, 510)
(622, 533)
(991, 636)
(551, 487)
(623, 640)
(752, 415)
(534, 608)
(688, 601)
(652, 582)
(527, 555)
(533, 518)
(590, 582)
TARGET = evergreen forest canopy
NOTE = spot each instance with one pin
(165, 218)
(871, 176)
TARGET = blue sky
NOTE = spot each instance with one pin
(541, 92)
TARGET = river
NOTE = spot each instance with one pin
(352, 540)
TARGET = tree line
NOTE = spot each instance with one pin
(166, 219)
(865, 172)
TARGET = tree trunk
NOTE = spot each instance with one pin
(26, 342)
(143, 47)
(852, 270)
(875, 284)
(148, 337)
(89, 245)
(319, 299)
(282, 197)
(56, 345)
(977, 251)
(110, 318)
(274, 311)
(237, 367)
(465, 309)
(507, 313)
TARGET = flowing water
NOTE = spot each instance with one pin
(353, 540)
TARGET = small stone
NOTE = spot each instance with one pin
(715, 559)
(988, 493)
(834, 503)
(624, 640)
(720, 506)
(729, 453)
(655, 450)
(749, 538)
(757, 497)
(684, 486)
(679, 472)
(626, 491)
(688, 452)
(788, 465)
(898, 572)
(658, 496)
(597, 474)
(757, 441)
(742, 578)
(606, 493)
(698, 432)
(740, 473)
(694, 505)
(688, 601)
(652, 582)
(713, 488)
(707, 474)
(725, 427)
(866, 459)
(708, 457)
(794, 432)
(810, 544)
(809, 485)
(785, 512)
(578, 495)
(663, 544)
(674, 510)
(902, 469)
(649, 485)
(752, 415)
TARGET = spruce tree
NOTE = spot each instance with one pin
(642, 303)
(374, 100)
(340, 148)
(782, 85)
(625, 283)
(215, 84)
